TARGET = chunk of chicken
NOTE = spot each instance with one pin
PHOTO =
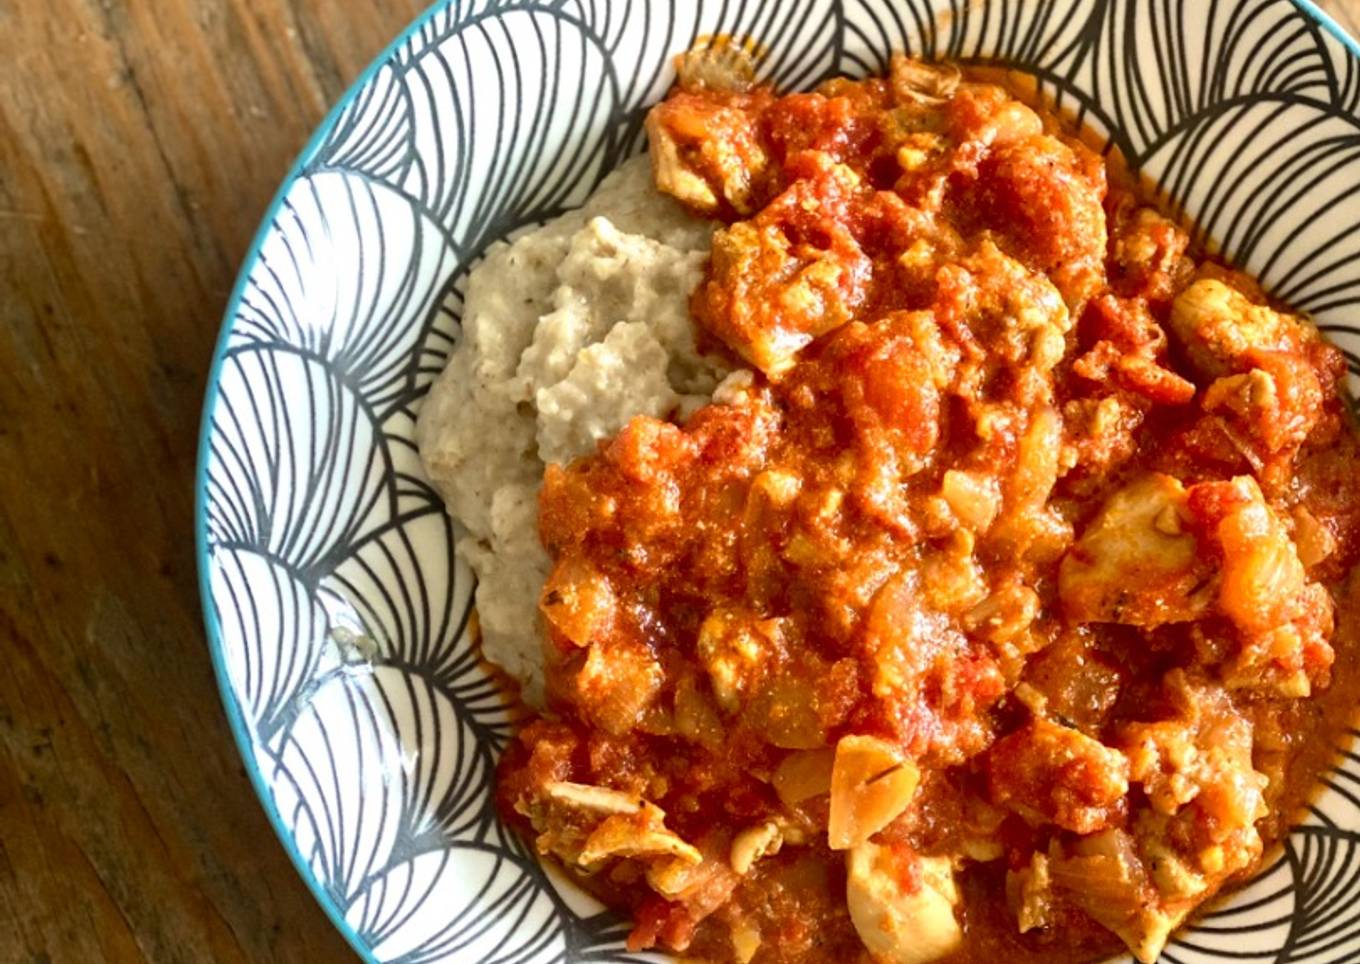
(915, 82)
(721, 63)
(1147, 253)
(707, 149)
(902, 904)
(640, 834)
(1219, 325)
(602, 800)
(1284, 621)
(788, 275)
(1196, 770)
(1029, 892)
(1028, 526)
(1051, 774)
(1103, 875)
(1136, 563)
(871, 784)
(1275, 405)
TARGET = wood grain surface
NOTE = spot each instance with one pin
(140, 142)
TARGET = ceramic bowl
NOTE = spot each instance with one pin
(337, 614)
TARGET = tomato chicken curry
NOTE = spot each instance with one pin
(1004, 607)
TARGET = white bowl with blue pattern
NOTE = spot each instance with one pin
(337, 615)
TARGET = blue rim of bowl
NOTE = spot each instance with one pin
(235, 716)
(1325, 20)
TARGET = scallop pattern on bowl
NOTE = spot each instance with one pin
(338, 615)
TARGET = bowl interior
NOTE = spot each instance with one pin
(338, 615)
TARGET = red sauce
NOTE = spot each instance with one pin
(1025, 554)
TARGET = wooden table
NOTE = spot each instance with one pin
(140, 142)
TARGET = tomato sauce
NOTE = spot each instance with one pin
(1003, 607)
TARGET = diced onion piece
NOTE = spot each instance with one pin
(578, 602)
(973, 498)
(745, 940)
(778, 486)
(803, 775)
(1314, 541)
(1028, 526)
